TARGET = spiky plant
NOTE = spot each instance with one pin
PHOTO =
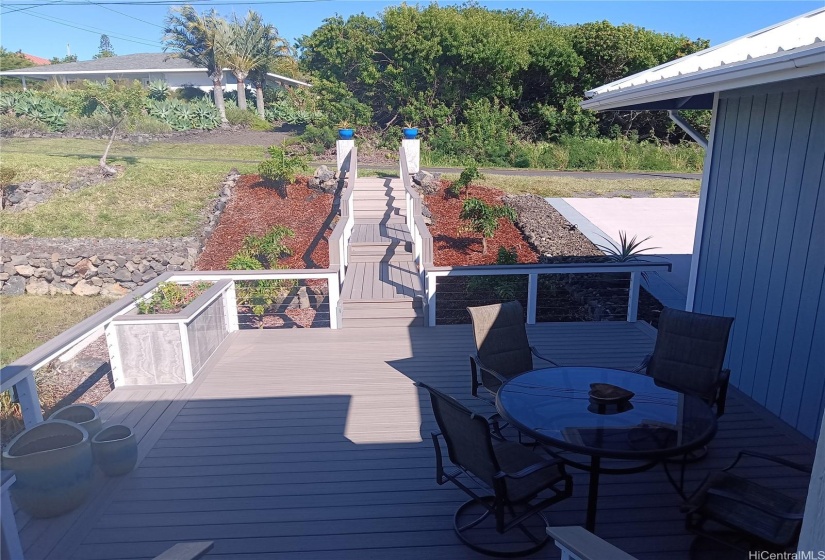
(626, 250)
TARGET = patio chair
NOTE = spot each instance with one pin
(515, 475)
(503, 350)
(689, 354)
(749, 515)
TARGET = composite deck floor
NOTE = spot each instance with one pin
(381, 281)
(314, 444)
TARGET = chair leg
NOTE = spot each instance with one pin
(501, 545)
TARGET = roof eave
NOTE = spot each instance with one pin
(799, 63)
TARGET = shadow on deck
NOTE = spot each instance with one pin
(314, 444)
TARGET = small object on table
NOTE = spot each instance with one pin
(605, 393)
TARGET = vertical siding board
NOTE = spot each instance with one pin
(744, 305)
(794, 315)
(730, 219)
(765, 312)
(709, 256)
(813, 395)
(780, 272)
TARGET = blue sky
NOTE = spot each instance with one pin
(45, 30)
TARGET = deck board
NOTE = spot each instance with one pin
(314, 444)
(374, 281)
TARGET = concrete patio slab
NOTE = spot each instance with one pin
(670, 222)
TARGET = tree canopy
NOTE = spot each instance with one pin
(466, 66)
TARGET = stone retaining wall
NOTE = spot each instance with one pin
(108, 267)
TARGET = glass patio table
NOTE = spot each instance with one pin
(554, 407)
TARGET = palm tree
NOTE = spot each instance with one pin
(198, 39)
(243, 49)
(273, 50)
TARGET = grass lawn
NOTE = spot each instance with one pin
(152, 198)
(570, 187)
(26, 322)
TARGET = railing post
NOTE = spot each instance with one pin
(26, 390)
(114, 354)
(633, 297)
(430, 295)
(532, 297)
(230, 305)
(334, 295)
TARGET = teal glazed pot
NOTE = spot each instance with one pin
(346, 133)
(53, 465)
(115, 450)
(410, 133)
(84, 415)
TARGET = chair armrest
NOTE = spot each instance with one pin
(778, 460)
(527, 471)
(481, 366)
(642, 366)
(739, 500)
(540, 357)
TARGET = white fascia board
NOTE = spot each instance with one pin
(801, 63)
(285, 79)
(103, 72)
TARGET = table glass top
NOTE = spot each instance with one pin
(554, 406)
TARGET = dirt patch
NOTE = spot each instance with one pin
(454, 246)
(255, 208)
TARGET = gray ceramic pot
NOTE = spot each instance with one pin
(84, 415)
(53, 465)
(115, 450)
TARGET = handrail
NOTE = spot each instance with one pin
(636, 269)
(20, 373)
(422, 238)
(340, 236)
(188, 313)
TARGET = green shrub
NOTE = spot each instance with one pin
(282, 169)
(483, 218)
(95, 125)
(270, 247)
(261, 125)
(158, 90)
(144, 124)
(318, 139)
(170, 297)
(185, 115)
(244, 261)
(36, 107)
(506, 288)
(240, 117)
(191, 93)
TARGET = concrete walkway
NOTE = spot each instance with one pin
(670, 223)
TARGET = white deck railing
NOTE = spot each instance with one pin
(422, 239)
(342, 233)
(19, 375)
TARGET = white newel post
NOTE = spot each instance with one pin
(413, 150)
(812, 537)
(343, 149)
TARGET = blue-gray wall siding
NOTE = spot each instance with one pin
(762, 256)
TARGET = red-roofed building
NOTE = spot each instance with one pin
(36, 60)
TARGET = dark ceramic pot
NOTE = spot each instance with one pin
(115, 450)
(84, 415)
(53, 465)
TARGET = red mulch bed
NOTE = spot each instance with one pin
(255, 208)
(454, 247)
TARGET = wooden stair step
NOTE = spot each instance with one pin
(382, 312)
(395, 257)
(383, 322)
(401, 303)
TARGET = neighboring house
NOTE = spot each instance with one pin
(36, 60)
(759, 252)
(145, 67)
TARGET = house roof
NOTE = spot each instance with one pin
(125, 64)
(36, 60)
(792, 49)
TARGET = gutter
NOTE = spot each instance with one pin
(676, 117)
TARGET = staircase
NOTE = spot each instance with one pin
(382, 287)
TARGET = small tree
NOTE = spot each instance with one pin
(467, 176)
(105, 50)
(483, 218)
(117, 101)
(282, 169)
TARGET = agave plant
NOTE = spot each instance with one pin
(626, 250)
(7, 102)
(158, 90)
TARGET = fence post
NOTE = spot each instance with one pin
(29, 401)
(430, 297)
(633, 297)
(334, 295)
(532, 297)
